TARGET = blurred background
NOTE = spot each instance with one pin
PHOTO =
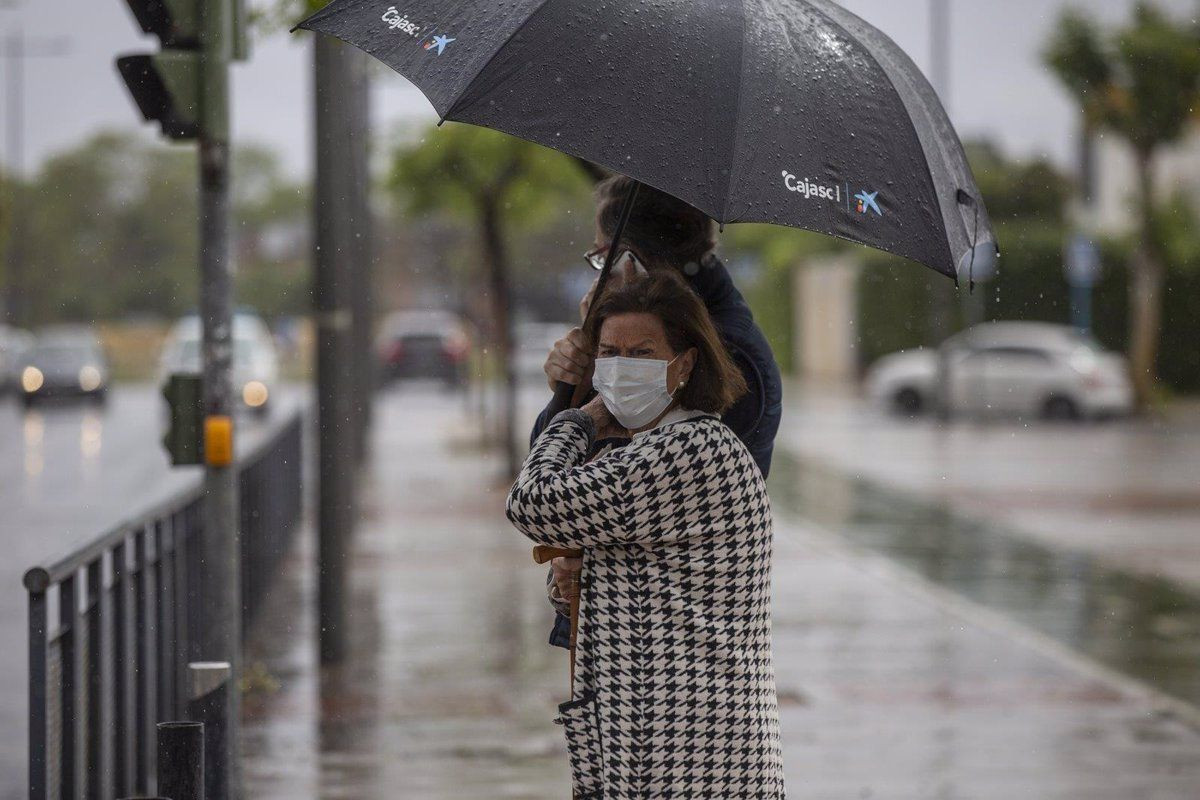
(986, 587)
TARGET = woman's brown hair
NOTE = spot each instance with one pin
(663, 230)
(716, 382)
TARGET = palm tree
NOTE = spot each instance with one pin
(1142, 82)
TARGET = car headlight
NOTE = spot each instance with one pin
(254, 394)
(1084, 361)
(90, 378)
(32, 379)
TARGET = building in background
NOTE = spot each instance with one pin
(1108, 181)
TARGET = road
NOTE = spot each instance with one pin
(1125, 492)
(68, 472)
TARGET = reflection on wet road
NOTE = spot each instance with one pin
(1144, 627)
(68, 472)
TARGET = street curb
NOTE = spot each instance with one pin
(879, 567)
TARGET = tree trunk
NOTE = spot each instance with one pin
(1145, 292)
(496, 256)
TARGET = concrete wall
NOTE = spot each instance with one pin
(1114, 207)
(825, 303)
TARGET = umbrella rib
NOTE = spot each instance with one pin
(737, 120)
(470, 84)
(912, 125)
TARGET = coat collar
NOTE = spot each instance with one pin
(673, 416)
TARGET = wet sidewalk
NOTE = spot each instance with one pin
(889, 687)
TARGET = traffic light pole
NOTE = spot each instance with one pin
(220, 583)
(185, 88)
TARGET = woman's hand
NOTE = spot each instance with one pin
(570, 361)
(607, 427)
(566, 575)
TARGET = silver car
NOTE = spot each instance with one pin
(255, 362)
(1018, 369)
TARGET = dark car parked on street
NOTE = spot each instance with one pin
(14, 343)
(63, 363)
(424, 343)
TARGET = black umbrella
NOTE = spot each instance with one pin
(794, 112)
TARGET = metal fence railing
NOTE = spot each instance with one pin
(112, 627)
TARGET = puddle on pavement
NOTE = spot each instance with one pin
(1144, 627)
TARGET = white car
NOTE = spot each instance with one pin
(255, 362)
(1022, 369)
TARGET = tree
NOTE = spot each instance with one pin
(498, 184)
(1031, 191)
(113, 232)
(1141, 82)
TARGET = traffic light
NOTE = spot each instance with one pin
(184, 439)
(166, 86)
(175, 22)
(183, 87)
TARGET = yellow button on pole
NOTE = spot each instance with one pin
(218, 441)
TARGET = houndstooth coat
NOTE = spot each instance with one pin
(674, 687)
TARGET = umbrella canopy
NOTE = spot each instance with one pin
(793, 112)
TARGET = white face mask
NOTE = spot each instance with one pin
(634, 389)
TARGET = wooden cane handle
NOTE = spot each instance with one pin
(543, 553)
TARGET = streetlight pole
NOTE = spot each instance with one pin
(941, 294)
(941, 297)
(940, 31)
(335, 254)
(15, 48)
(14, 150)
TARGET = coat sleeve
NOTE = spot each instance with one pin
(755, 416)
(659, 495)
(561, 501)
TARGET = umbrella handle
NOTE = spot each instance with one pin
(565, 395)
(543, 553)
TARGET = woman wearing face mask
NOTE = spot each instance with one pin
(674, 691)
(666, 234)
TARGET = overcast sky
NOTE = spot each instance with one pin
(998, 88)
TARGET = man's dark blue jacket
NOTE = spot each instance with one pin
(755, 417)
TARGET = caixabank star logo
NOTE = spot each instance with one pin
(400, 23)
(867, 201)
